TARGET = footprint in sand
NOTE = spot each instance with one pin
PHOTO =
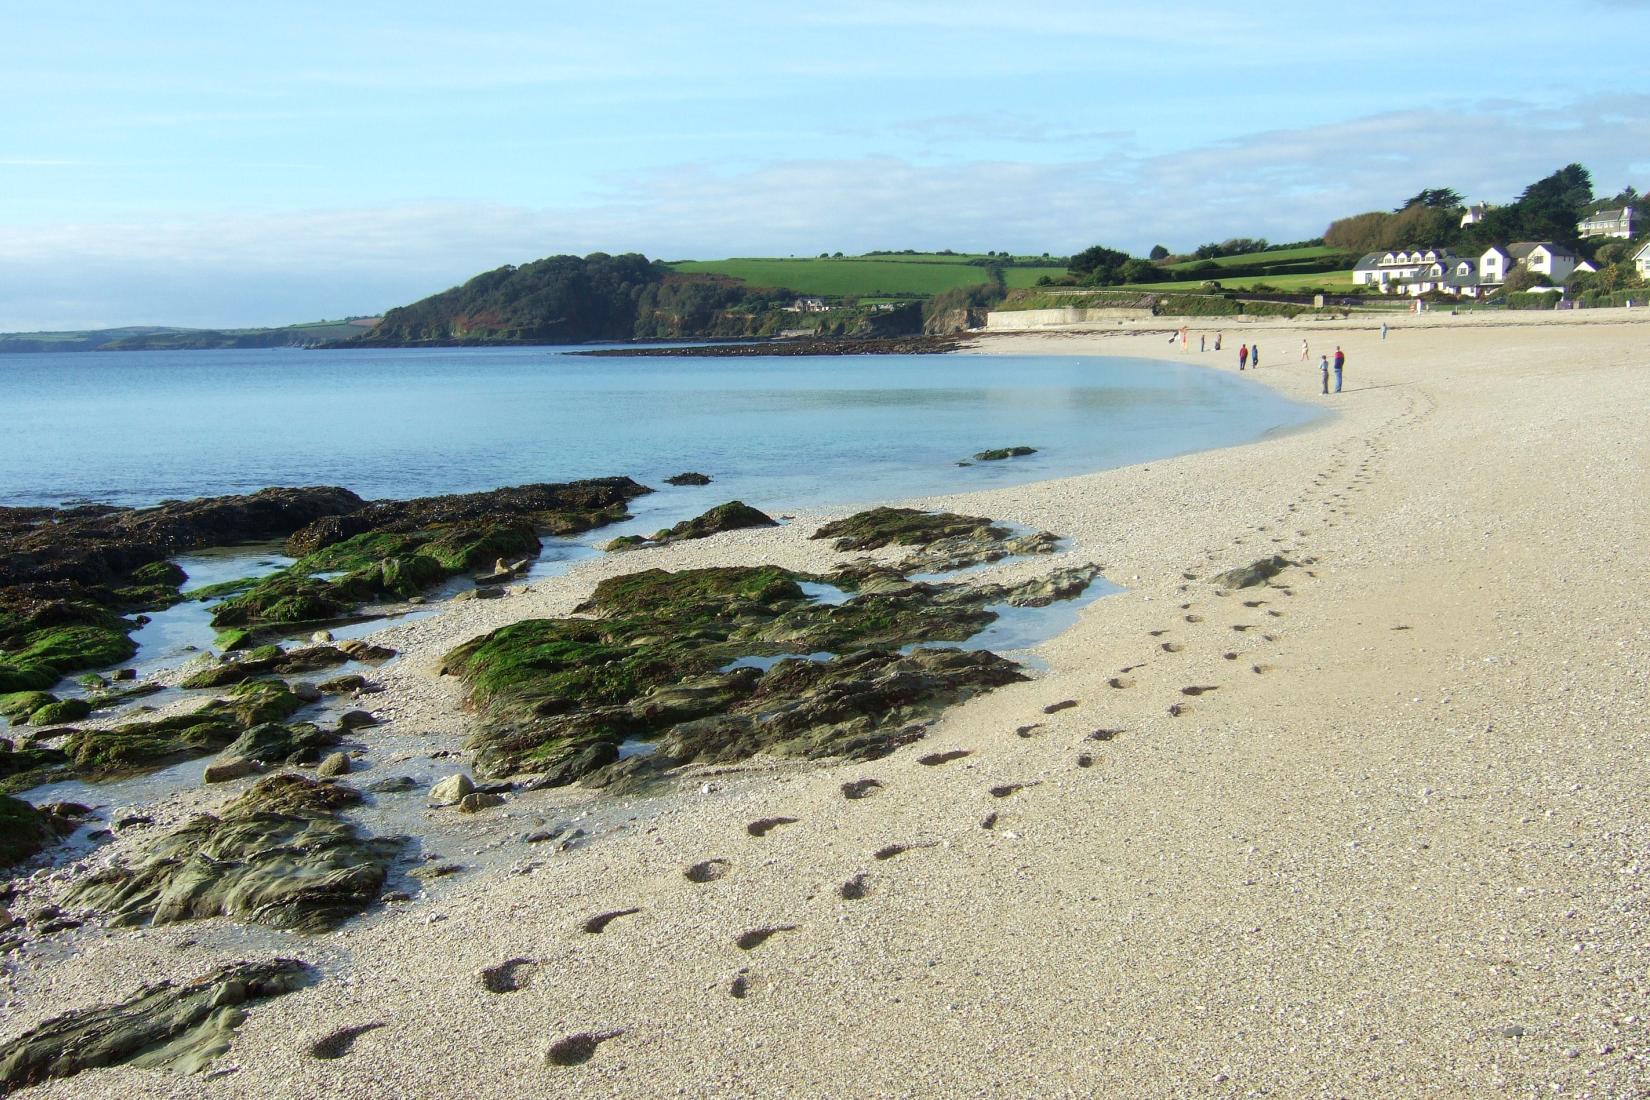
(1119, 683)
(339, 1042)
(1004, 790)
(934, 759)
(1241, 627)
(1157, 633)
(1194, 618)
(598, 923)
(1254, 603)
(1056, 708)
(1199, 689)
(861, 788)
(889, 851)
(708, 870)
(1177, 709)
(855, 888)
(1229, 655)
(509, 976)
(752, 939)
(1027, 731)
(763, 826)
(1260, 670)
(1085, 760)
(578, 1048)
(1171, 647)
(1103, 735)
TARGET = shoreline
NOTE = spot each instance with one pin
(1338, 866)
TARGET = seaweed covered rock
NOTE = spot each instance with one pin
(167, 1025)
(997, 454)
(733, 516)
(141, 746)
(1256, 572)
(879, 527)
(552, 508)
(24, 830)
(664, 650)
(266, 660)
(690, 477)
(25, 767)
(944, 541)
(67, 574)
(279, 856)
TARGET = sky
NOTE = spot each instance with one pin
(216, 165)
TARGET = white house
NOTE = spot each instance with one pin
(1554, 261)
(1610, 223)
(1544, 258)
(1475, 214)
(1641, 259)
(1383, 269)
(1456, 275)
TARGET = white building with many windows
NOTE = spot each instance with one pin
(1621, 222)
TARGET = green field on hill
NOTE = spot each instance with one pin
(916, 276)
(1282, 256)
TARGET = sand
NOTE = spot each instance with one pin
(1378, 830)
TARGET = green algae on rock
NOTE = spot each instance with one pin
(134, 747)
(733, 516)
(278, 856)
(997, 454)
(877, 527)
(181, 1027)
(660, 660)
(24, 831)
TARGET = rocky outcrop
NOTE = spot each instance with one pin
(691, 477)
(279, 856)
(657, 662)
(945, 541)
(880, 527)
(1256, 572)
(167, 1025)
(997, 454)
(733, 516)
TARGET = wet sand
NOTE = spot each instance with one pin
(1377, 830)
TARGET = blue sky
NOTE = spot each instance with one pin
(208, 164)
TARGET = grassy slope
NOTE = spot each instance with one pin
(912, 276)
(1251, 258)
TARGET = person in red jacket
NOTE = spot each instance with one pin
(1243, 357)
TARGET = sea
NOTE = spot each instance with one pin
(779, 432)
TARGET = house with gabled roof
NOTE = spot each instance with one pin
(1554, 261)
(1619, 222)
(1641, 259)
(1385, 269)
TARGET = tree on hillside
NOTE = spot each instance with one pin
(1158, 252)
(1444, 198)
(1098, 264)
(1415, 224)
(1547, 210)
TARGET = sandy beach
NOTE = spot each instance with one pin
(1377, 829)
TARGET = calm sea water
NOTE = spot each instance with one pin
(781, 432)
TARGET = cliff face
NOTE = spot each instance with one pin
(569, 300)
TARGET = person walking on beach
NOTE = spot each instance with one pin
(1340, 361)
(1254, 357)
(1202, 342)
(1383, 330)
(1305, 351)
(1217, 341)
(1323, 367)
(1243, 357)
(1182, 337)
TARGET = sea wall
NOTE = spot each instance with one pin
(1020, 320)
